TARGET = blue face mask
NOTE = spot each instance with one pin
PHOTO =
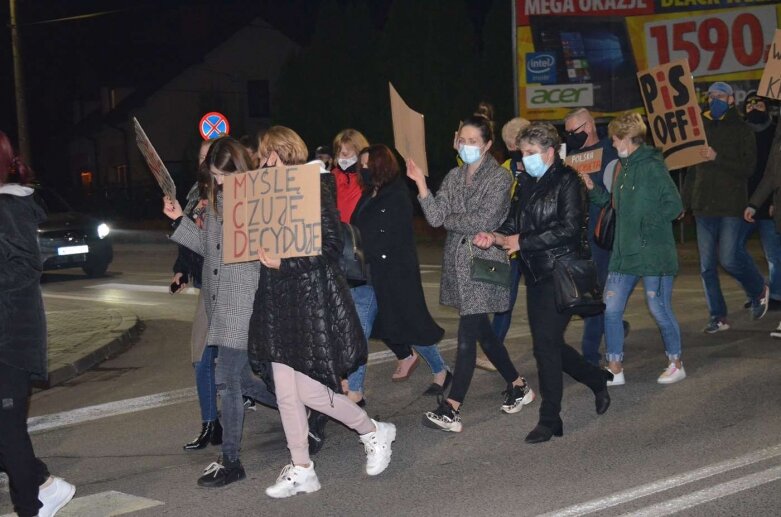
(534, 165)
(718, 107)
(469, 153)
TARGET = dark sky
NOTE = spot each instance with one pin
(70, 60)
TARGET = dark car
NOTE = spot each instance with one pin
(72, 239)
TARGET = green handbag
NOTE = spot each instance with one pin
(488, 271)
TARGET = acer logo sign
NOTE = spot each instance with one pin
(540, 63)
(560, 96)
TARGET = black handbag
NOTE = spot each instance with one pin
(352, 260)
(577, 289)
(488, 271)
(605, 229)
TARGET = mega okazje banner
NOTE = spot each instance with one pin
(586, 53)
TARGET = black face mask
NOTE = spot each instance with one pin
(516, 156)
(366, 176)
(576, 140)
(757, 117)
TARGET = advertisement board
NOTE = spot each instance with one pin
(603, 44)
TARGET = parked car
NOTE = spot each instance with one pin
(72, 239)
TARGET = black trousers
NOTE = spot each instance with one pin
(553, 355)
(17, 458)
(471, 329)
(400, 351)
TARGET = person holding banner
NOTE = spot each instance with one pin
(582, 140)
(305, 323)
(229, 291)
(473, 198)
(547, 222)
(646, 201)
(716, 192)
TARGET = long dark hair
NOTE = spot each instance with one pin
(12, 168)
(226, 155)
(383, 166)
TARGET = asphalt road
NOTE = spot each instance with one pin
(709, 445)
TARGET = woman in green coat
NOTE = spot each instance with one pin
(646, 202)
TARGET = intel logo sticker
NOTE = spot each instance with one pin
(540, 67)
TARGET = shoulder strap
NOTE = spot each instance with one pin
(615, 177)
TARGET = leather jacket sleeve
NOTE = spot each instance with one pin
(570, 217)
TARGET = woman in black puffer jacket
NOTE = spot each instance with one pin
(304, 322)
(546, 222)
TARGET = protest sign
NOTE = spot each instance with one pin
(409, 130)
(673, 113)
(276, 208)
(587, 161)
(770, 84)
(154, 162)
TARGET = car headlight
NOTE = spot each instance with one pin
(103, 230)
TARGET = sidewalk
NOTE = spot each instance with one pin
(81, 339)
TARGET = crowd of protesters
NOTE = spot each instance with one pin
(292, 334)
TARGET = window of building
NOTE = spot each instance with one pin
(258, 99)
(120, 174)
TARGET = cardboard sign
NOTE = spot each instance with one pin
(587, 161)
(673, 113)
(277, 208)
(154, 162)
(409, 130)
(770, 84)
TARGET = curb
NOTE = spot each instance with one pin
(127, 334)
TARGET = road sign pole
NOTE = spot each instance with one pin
(21, 105)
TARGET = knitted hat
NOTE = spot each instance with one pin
(722, 87)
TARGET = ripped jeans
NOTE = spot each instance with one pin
(658, 296)
(235, 378)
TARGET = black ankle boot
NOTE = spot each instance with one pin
(542, 433)
(211, 432)
(602, 397)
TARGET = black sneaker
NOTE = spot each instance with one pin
(515, 397)
(221, 473)
(249, 403)
(444, 418)
(317, 423)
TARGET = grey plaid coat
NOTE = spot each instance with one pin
(228, 289)
(464, 211)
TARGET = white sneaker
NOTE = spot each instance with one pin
(294, 479)
(672, 374)
(55, 496)
(777, 332)
(618, 378)
(378, 447)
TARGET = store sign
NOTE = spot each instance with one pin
(716, 43)
(560, 95)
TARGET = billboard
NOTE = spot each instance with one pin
(603, 44)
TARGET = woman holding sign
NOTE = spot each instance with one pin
(473, 198)
(646, 202)
(228, 292)
(305, 323)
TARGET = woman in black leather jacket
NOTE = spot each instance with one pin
(546, 221)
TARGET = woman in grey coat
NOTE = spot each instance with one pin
(473, 198)
(228, 291)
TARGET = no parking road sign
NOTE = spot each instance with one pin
(213, 125)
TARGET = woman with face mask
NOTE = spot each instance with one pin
(547, 221)
(346, 171)
(646, 201)
(473, 198)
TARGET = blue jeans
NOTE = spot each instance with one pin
(366, 306)
(205, 384)
(234, 379)
(594, 326)
(719, 242)
(501, 321)
(658, 296)
(771, 246)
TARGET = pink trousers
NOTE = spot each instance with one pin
(296, 392)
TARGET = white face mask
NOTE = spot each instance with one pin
(623, 153)
(346, 163)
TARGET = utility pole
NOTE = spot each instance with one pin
(21, 105)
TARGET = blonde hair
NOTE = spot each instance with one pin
(350, 137)
(628, 124)
(290, 147)
(577, 112)
(513, 128)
